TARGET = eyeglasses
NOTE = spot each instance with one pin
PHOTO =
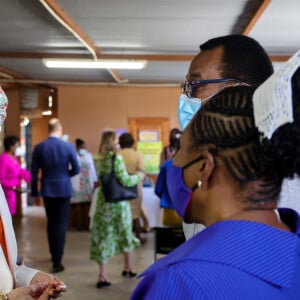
(189, 87)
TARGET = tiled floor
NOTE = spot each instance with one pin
(81, 273)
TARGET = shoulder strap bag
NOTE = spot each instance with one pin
(113, 190)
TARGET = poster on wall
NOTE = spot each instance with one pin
(120, 131)
(151, 154)
(148, 136)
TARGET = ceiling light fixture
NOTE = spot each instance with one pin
(98, 64)
(47, 113)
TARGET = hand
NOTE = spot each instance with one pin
(96, 184)
(30, 292)
(55, 286)
(141, 174)
(17, 189)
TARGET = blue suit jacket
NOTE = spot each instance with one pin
(58, 162)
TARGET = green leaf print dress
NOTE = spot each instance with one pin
(111, 232)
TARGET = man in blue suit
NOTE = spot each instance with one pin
(57, 161)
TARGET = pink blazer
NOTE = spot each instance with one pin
(11, 174)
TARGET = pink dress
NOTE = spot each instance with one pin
(11, 174)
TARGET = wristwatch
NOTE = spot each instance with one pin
(4, 296)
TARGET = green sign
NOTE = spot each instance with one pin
(151, 153)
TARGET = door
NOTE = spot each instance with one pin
(158, 126)
(161, 125)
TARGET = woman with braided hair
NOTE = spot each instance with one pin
(227, 176)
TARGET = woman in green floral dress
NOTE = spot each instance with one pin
(111, 227)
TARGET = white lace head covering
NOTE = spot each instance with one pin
(272, 101)
(3, 106)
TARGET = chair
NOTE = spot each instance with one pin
(167, 238)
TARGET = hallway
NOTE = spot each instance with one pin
(81, 274)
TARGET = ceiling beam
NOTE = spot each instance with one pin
(15, 76)
(148, 57)
(117, 76)
(62, 17)
(10, 73)
(256, 17)
(280, 58)
(92, 83)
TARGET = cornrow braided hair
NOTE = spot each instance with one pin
(226, 125)
(226, 122)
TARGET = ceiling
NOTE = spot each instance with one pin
(167, 33)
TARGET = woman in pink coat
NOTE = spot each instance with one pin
(11, 172)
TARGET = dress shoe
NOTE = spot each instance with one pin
(101, 284)
(143, 240)
(128, 274)
(58, 267)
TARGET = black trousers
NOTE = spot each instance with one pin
(57, 212)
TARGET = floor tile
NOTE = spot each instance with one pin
(80, 274)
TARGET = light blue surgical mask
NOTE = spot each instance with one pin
(82, 152)
(187, 108)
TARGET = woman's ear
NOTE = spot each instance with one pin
(205, 171)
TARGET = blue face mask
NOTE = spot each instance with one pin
(179, 193)
(187, 108)
(82, 152)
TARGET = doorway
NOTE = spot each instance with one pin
(157, 131)
(161, 125)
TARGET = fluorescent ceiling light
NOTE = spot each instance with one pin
(47, 113)
(95, 64)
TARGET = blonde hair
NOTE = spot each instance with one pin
(107, 143)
